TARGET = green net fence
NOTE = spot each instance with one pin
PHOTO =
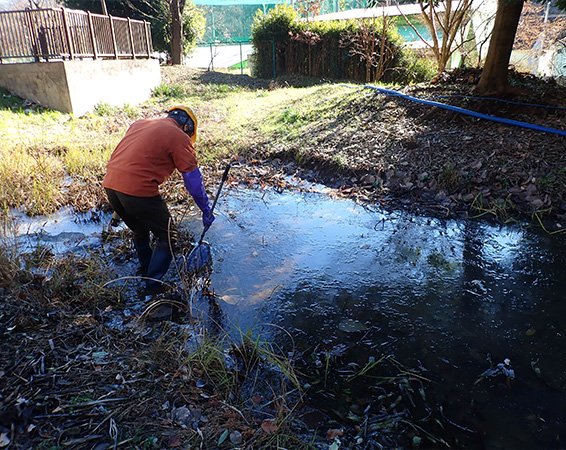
(230, 20)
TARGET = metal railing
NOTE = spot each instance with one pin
(59, 33)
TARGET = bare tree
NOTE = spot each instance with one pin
(310, 38)
(371, 44)
(447, 23)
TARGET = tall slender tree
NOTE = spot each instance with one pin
(176, 10)
(494, 77)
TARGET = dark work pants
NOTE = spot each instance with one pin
(145, 216)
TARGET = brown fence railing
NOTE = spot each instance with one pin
(60, 33)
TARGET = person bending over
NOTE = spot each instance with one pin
(146, 156)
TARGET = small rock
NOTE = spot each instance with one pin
(368, 179)
(181, 415)
(236, 437)
(440, 196)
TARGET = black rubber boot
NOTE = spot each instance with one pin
(158, 266)
(144, 253)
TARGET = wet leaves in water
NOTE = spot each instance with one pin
(502, 369)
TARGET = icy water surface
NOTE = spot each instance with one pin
(359, 283)
(442, 295)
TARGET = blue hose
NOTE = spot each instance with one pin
(467, 112)
(502, 100)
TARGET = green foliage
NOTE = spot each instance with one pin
(415, 69)
(275, 25)
(9, 101)
(193, 26)
(290, 116)
(169, 91)
(105, 109)
(332, 49)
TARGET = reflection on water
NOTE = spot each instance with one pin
(437, 294)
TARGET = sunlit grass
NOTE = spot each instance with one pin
(30, 178)
(87, 164)
(42, 148)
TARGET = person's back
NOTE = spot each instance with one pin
(147, 155)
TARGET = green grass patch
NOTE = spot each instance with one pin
(170, 91)
(241, 65)
(9, 101)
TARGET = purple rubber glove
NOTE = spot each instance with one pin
(195, 187)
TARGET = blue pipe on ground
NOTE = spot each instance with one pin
(516, 123)
(502, 100)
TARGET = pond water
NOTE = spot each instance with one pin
(437, 294)
(441, 295)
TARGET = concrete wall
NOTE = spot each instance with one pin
(43, 83)
(78, 86)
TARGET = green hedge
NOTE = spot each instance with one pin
(332, 49)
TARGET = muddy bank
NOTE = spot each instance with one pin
(402, 154)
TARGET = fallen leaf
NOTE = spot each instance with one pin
(269, 426)
(236, 437)
(174, 441)
(333, 433)
(223, 437)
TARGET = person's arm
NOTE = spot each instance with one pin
(195, 187)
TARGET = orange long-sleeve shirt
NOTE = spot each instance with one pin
(147, 155)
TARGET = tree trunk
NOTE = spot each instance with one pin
(176, 33)
(494, 77)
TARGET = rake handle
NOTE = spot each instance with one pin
(224, 178)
